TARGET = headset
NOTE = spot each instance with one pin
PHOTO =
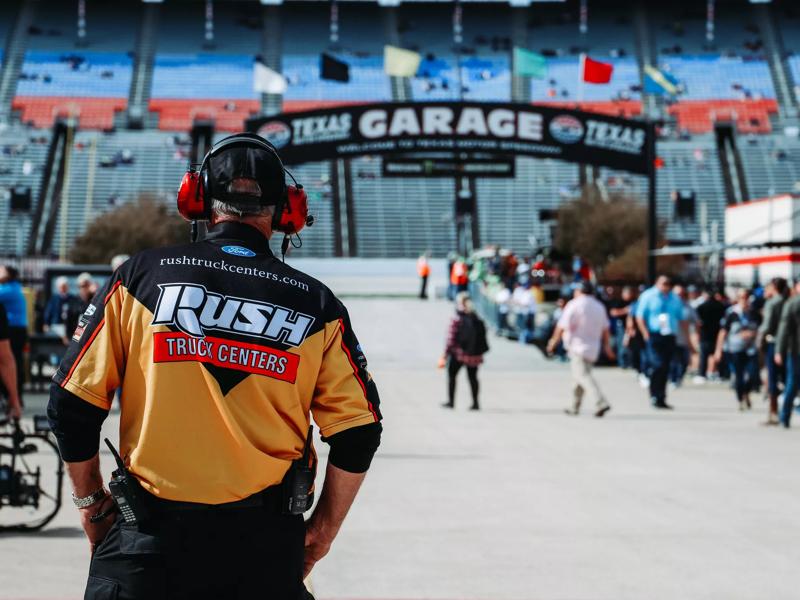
(291, 208)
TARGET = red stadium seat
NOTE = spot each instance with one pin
(621, 108)
(179, 115)
(301, 105)
(699, 116)
(92, 113)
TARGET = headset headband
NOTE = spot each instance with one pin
(243, 139)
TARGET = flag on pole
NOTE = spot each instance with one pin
(332, 68)
(267, 81)
(399, 62)
(594, 71)
(660, 82)
(529, 64)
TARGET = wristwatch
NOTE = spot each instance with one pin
(89, 500)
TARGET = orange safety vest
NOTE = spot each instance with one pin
(459, 275)
(423, 268)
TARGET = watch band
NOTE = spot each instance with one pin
(89, 500)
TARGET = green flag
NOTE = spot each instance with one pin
(529, 64)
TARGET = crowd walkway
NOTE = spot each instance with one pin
(519, 501)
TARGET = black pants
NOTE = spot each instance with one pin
(453, 367)
(17, 338)
(707, 347)
(423, 292)
(660, 350)
(241, 553)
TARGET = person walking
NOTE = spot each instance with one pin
(58, 309)
(424, 271)
(466, 344)
(659, 315)
(618, 310)
(525, 309)
(739, 330)
(776, 292)
(459, 276)
(787, 353)
(710, 313)
(680, 360)
(13, 300)
(584, 325)
(223, 353)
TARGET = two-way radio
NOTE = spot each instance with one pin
(126, 491)
(298, 485)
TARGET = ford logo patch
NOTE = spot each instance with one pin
(238, 251)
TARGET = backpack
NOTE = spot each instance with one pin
(471, 336)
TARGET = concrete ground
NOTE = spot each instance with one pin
(520, 501)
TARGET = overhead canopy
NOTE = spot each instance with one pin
(478, 127)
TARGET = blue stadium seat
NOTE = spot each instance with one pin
(187, 76)
(367, 82)
(75, 74)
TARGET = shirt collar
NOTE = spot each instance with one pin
(245, 234)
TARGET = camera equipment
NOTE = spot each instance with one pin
(22, 488)
(126, 491)
(298, 485)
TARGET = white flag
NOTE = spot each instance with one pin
(267, 81)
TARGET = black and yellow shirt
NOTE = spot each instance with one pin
(221, 353)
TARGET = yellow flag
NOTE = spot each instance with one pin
(399, 62)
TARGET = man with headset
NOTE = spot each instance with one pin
(221, 352)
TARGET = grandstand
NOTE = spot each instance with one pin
(145, 73)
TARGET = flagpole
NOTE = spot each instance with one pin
(581, 71)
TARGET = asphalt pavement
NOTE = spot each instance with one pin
(520, 501)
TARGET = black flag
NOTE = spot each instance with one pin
(333, 68)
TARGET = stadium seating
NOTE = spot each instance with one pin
(368, 82)
(698, 117)
(92, 113)
(92, 85)
(563, 82)
(402, 216)
(728, 81)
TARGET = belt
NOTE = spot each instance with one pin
(268, 498)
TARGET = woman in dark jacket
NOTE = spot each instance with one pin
(466, 345)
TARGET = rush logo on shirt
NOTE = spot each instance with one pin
(194, 310)
(228, 354)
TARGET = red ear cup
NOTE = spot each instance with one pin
(294, 212)
(191, 202)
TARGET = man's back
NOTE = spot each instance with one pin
(710, 313)
(226, 349)
(584, 319)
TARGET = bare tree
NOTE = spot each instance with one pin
(610, 233)
(135, 226)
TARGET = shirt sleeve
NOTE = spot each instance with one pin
(345, 395)
(785, 327)
(566, 317)
(89, 374)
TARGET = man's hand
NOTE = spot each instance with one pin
(551, 346)
(317, 545)
(778, 358)
(612, 356)
(338, 492)
(96, 532)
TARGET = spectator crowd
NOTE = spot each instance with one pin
(746, 338)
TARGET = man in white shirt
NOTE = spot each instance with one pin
(584, 326)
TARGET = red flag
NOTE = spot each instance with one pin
(594, 71)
